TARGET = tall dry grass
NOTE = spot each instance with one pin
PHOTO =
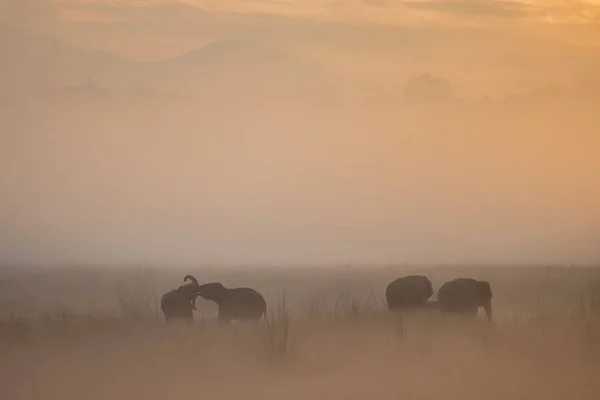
(349, 347)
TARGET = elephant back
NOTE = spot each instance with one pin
(459, 294)
(411, 290)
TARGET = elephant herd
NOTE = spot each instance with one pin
(457, 296)
(237, 304)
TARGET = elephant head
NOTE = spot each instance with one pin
(239, 303)
(213, 291)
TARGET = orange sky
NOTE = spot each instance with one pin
(497, 45)
(352, 182)
(169, 24)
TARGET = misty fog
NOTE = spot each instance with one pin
(245, 150)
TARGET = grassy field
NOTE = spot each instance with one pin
(98, 334)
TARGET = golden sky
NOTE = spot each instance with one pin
(393, 12)
(134, 23)
(487, 47)
(377, 11)
(517, 184)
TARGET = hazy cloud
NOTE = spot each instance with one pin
(487, 8)
(307, 17)
(312, 174)
(19, 12)
(360, 38)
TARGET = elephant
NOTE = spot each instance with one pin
(465, 295)
(408, 292)
(241, 304)
(181, 302)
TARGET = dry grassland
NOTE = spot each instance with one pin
(342, 344)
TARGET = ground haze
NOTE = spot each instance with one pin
(98, 334)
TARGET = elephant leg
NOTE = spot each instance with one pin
(224, 315)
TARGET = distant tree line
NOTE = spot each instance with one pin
(424, 88)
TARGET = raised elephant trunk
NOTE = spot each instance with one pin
(193, 291)
(191, 278)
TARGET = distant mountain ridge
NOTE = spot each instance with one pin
(232, 50)
(29, 61)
